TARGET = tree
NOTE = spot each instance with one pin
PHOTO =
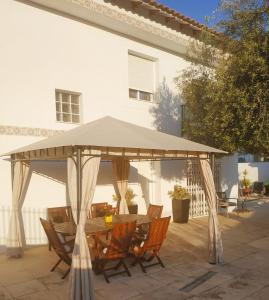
(228, 101)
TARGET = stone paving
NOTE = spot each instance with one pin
(245, 274)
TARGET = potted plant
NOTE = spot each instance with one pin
(246, 183)
(129, 197)
(180, 204)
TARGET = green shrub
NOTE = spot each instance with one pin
(179, 193)
(129, 196)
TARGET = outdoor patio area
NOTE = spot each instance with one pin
(187, 274)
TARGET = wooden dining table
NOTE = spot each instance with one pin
(98, 225)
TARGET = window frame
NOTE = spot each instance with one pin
(153, 97)
(59, 100)
(138, 95)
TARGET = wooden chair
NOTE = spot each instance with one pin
(59, 214)
(223, 202)
(116, 249)
(99, 209)
(155, 211)
(63, 249)
(157, 234)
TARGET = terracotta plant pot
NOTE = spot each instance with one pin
(246, 191)
(133, 209)
(181, 210)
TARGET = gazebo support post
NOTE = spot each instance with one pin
(79, 182)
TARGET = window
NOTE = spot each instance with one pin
(141, 77)
(67, 106)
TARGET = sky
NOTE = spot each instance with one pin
(196, 9)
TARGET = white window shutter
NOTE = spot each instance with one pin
(141, 74)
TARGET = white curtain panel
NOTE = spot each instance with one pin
(20, 179)
(81, 277)
(121, 169)
(215, 241)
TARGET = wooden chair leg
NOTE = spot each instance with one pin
(126, 268)
(135, 262)
(55, 266)
(150, 258)
(101, 267)
(160, 261)
(141, 265)
(105, 275)
(118, 265)
(66, 273)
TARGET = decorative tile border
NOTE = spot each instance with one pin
(134, 20)
(27, 131)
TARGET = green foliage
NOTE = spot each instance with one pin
(179, 193)
(246, 183)
(129, 197)
(228, 102)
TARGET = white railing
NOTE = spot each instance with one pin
(4, 223)
(34, 233)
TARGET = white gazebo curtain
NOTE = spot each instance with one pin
(215, 242)
(81, 283)
(20, 179)
(121, 169)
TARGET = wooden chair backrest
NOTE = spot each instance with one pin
(99, 209)
(155, 211)
(221, 195)
(55, 241)
(60, 214)
(121, 238)
(157, 234)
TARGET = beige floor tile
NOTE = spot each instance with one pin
(261, 243)
(25, 288)
(60, 291)
(166, 293)
(9, 276)
(144, 283)
(4, 294)
(44, 295)
(117, 290)
(262, 294)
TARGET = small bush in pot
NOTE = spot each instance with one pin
(246, 184)
(180, 204)
(129, 197)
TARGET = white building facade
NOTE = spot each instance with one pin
(68, 62)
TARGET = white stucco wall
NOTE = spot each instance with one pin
(42, 51)
(258, 171)
(229, 175)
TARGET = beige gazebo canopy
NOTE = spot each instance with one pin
(114, 138)
(83, 147)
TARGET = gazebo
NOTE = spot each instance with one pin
(84, 147)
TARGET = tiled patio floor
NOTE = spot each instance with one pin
(245, 274)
